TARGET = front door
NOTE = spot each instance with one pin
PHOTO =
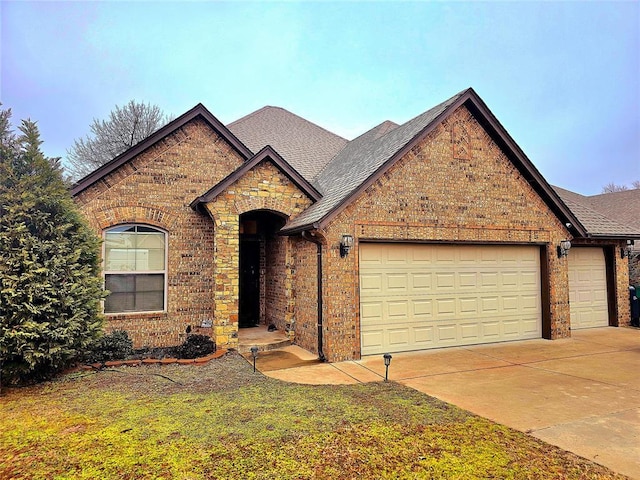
(249, 295)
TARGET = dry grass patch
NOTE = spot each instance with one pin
(222, 421)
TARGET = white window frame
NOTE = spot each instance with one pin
(164, 272)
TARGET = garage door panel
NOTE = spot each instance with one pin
(470, 332)
(445, 306)
(468, 306)
(445, 280)
(446, 333)
(529, 278)
(422, 309)
(489, 305)
(509, 280)
(398, 337)
(423, 336)
(421, 282)
(396, 310)
(371, 311)
(371, 283)
(441, 295)
(588, 288)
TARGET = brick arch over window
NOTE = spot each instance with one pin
(123, 214)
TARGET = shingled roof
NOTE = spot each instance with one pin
(358, 161)
(597, 223)
(367, 157)
(623, 206)
(303, 144)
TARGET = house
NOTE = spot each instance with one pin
(433, 233)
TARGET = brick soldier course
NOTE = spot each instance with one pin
(451, 175)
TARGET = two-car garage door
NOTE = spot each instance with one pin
(418, 296)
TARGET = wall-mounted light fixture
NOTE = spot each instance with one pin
(563, 248)
(626, 251)
(345, 245)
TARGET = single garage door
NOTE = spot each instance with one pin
(588, 288)
(417, 296)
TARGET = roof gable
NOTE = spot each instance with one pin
(266, 154)
(305, 146)
(357, 166)
(198, 111)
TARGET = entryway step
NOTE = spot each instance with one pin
(263, 339)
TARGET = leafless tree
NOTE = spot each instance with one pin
(612, 187)
(125, 127)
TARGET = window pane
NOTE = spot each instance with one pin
(120, 283)
(152, 244)
(119, 302)
(134, 293)
(135, 248)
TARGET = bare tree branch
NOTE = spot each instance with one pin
(125, 127)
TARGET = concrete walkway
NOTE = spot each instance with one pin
(581, 394)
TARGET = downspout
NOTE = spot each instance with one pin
(312, 239)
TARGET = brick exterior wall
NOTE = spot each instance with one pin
(278, 285)
(155, 188)
(447, 188)
(454, 186)
(306, 294)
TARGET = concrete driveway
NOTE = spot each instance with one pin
(581, 394)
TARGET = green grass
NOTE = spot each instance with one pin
(221, 421)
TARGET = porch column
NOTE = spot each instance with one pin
(226, 261)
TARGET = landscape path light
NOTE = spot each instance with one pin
(387, 361)
(254, 354)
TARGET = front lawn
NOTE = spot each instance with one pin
(222, 421)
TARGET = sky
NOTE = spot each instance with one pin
(563, 78)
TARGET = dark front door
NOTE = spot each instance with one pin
(249, 297)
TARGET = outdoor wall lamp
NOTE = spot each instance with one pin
(387, 361)
(626, 251)
(254, 354)
(563, 248)
(345, 245)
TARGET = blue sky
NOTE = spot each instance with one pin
(562, 77)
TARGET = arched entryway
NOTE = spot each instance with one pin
(262, 264)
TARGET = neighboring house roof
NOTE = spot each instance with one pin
(362, 161)
(304, 145)
(266, 154)
(595, 222)
(622, 206)
(198, 111)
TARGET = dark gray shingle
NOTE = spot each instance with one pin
(304, 145)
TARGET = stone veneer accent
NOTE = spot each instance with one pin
(264, 187)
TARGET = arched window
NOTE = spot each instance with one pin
(135, 267)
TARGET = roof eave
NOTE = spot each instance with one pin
(616, 236)
(302, 228)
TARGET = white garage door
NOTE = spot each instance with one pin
(588, 288)
(416, 297)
